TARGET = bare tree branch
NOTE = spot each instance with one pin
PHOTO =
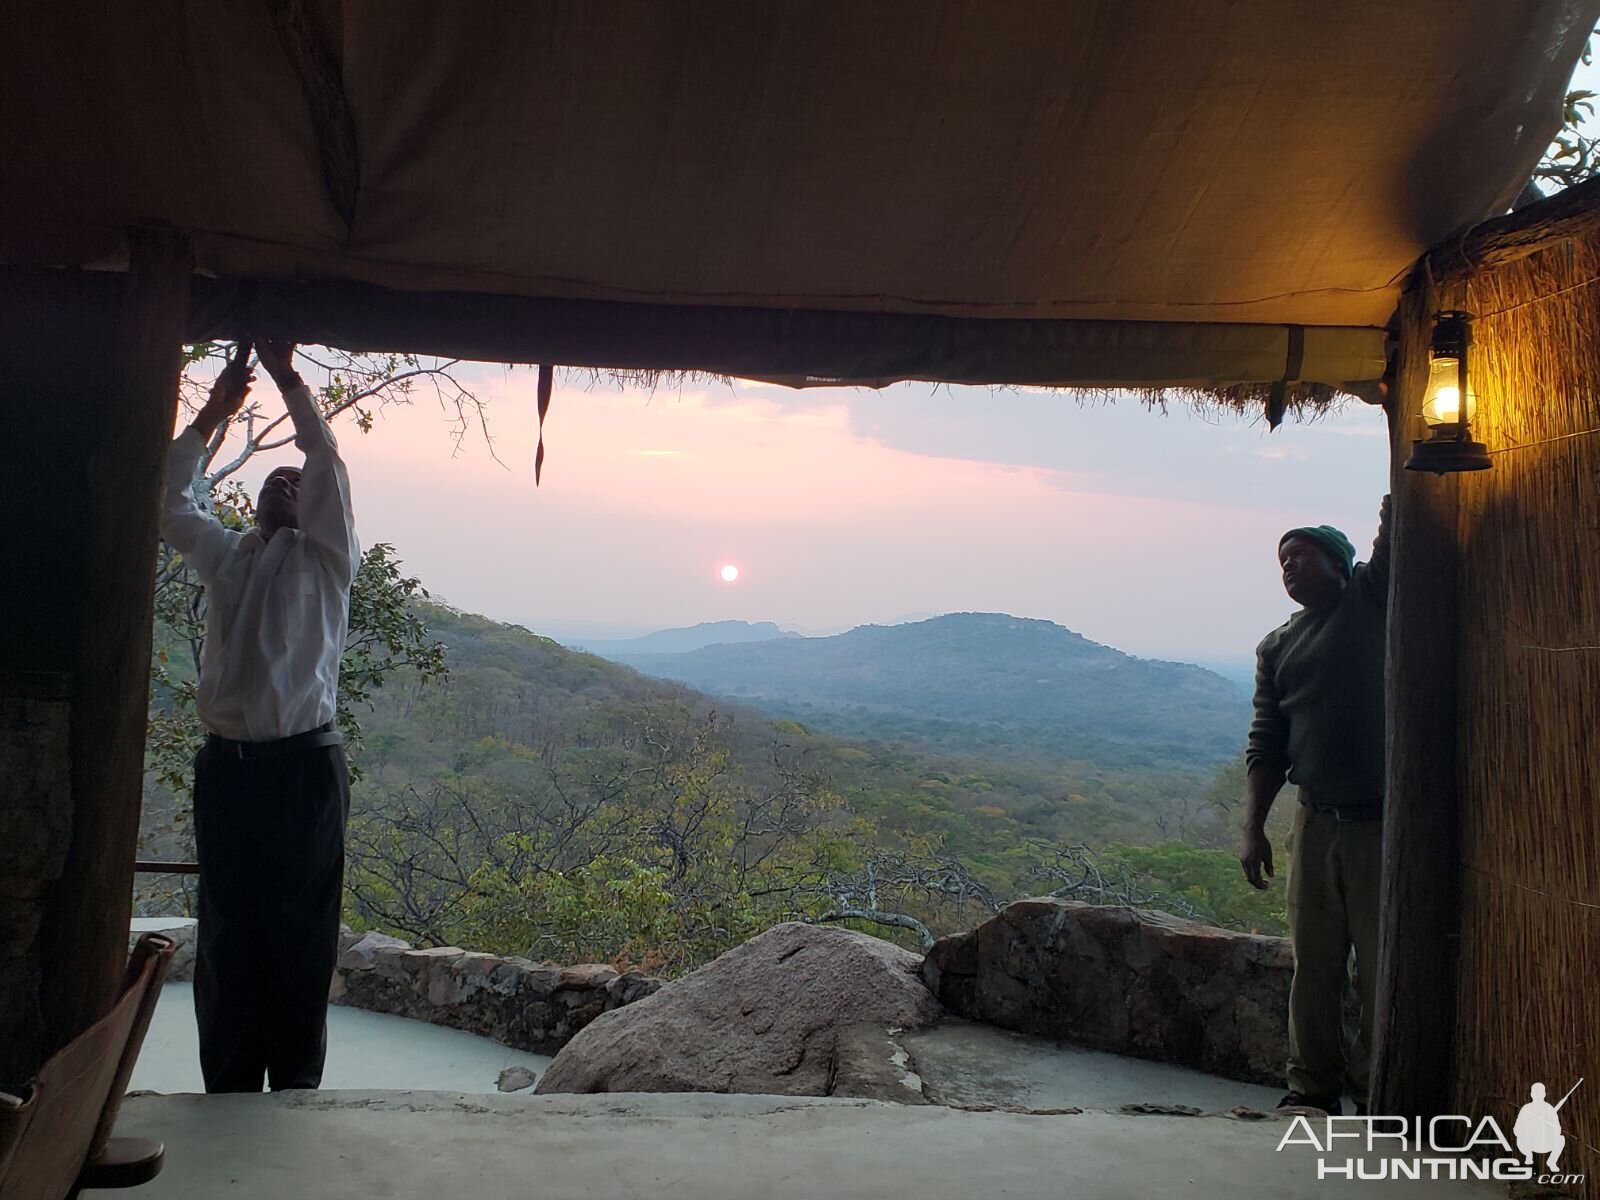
(898, 920)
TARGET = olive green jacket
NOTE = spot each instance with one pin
(1319, 690)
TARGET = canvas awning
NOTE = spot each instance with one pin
(1022, 190)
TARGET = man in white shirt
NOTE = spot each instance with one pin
(271, 787)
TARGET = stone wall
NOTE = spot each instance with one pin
(526, 1005)
(1126, 980)
(1129, 981)
(529, 1006)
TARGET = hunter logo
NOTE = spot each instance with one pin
(1538, 1127)
(1444, 1147)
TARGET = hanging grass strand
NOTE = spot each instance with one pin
(546, 375)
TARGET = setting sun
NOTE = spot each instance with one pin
(729, 573)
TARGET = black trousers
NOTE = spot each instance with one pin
(269, 837)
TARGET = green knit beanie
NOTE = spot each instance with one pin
(1330, 539)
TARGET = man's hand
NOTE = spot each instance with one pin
(226, 399)
(278, 359)
(1255, 856)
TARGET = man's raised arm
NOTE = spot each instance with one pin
(325, 514)
(1375, 578)
(192, 532)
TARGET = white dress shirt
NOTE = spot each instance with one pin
(276, 610)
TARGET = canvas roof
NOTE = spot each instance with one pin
(1102, 191)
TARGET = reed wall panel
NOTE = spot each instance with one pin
(1528, 665)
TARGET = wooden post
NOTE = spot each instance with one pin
(1415, 1022)
(88, 391)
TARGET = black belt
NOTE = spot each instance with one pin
(1348, 812)
(311, 739)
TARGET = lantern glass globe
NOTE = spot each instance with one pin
(1441, 403)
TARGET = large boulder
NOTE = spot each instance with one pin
(770, 1017)
(1131, 981)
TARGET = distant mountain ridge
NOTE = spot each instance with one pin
(683, 640)
(984, 679)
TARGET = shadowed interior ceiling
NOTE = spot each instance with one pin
(1015, 191)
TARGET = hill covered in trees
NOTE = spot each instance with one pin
(543, 801)
(979, 682)
(507, 684)
(515, 796)
(681, 640)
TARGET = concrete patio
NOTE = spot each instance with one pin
(410, 1111)
(959, 1063)
(383, 1145)
(365, 1050)
(971, 1064)
(1004, 1121)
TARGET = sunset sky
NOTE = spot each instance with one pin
(1155, 534)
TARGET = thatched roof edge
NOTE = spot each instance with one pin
(1303, 401)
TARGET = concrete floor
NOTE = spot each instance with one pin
(157, 924)
(365, 1050)
(409, 1141)
(367, 1146)
(979, 1064)
(960, 1064)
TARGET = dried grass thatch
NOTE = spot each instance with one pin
(1528, 707)
(1304, 402)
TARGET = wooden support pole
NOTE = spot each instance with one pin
(88, 391)
(1421, 909)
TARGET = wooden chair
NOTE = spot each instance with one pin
(55, 1139)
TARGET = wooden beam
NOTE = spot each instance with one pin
(88, 386)
(322, 84)
(798, 347)
(151, 867)
(1572, 213)
(1421, 911)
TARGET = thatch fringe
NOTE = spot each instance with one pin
(1306, 402)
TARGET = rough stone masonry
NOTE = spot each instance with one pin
(1131, 981)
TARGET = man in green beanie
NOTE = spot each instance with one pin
(1319, 724)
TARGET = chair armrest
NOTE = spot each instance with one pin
(125, 1162)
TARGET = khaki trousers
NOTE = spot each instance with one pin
(1332, 897)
